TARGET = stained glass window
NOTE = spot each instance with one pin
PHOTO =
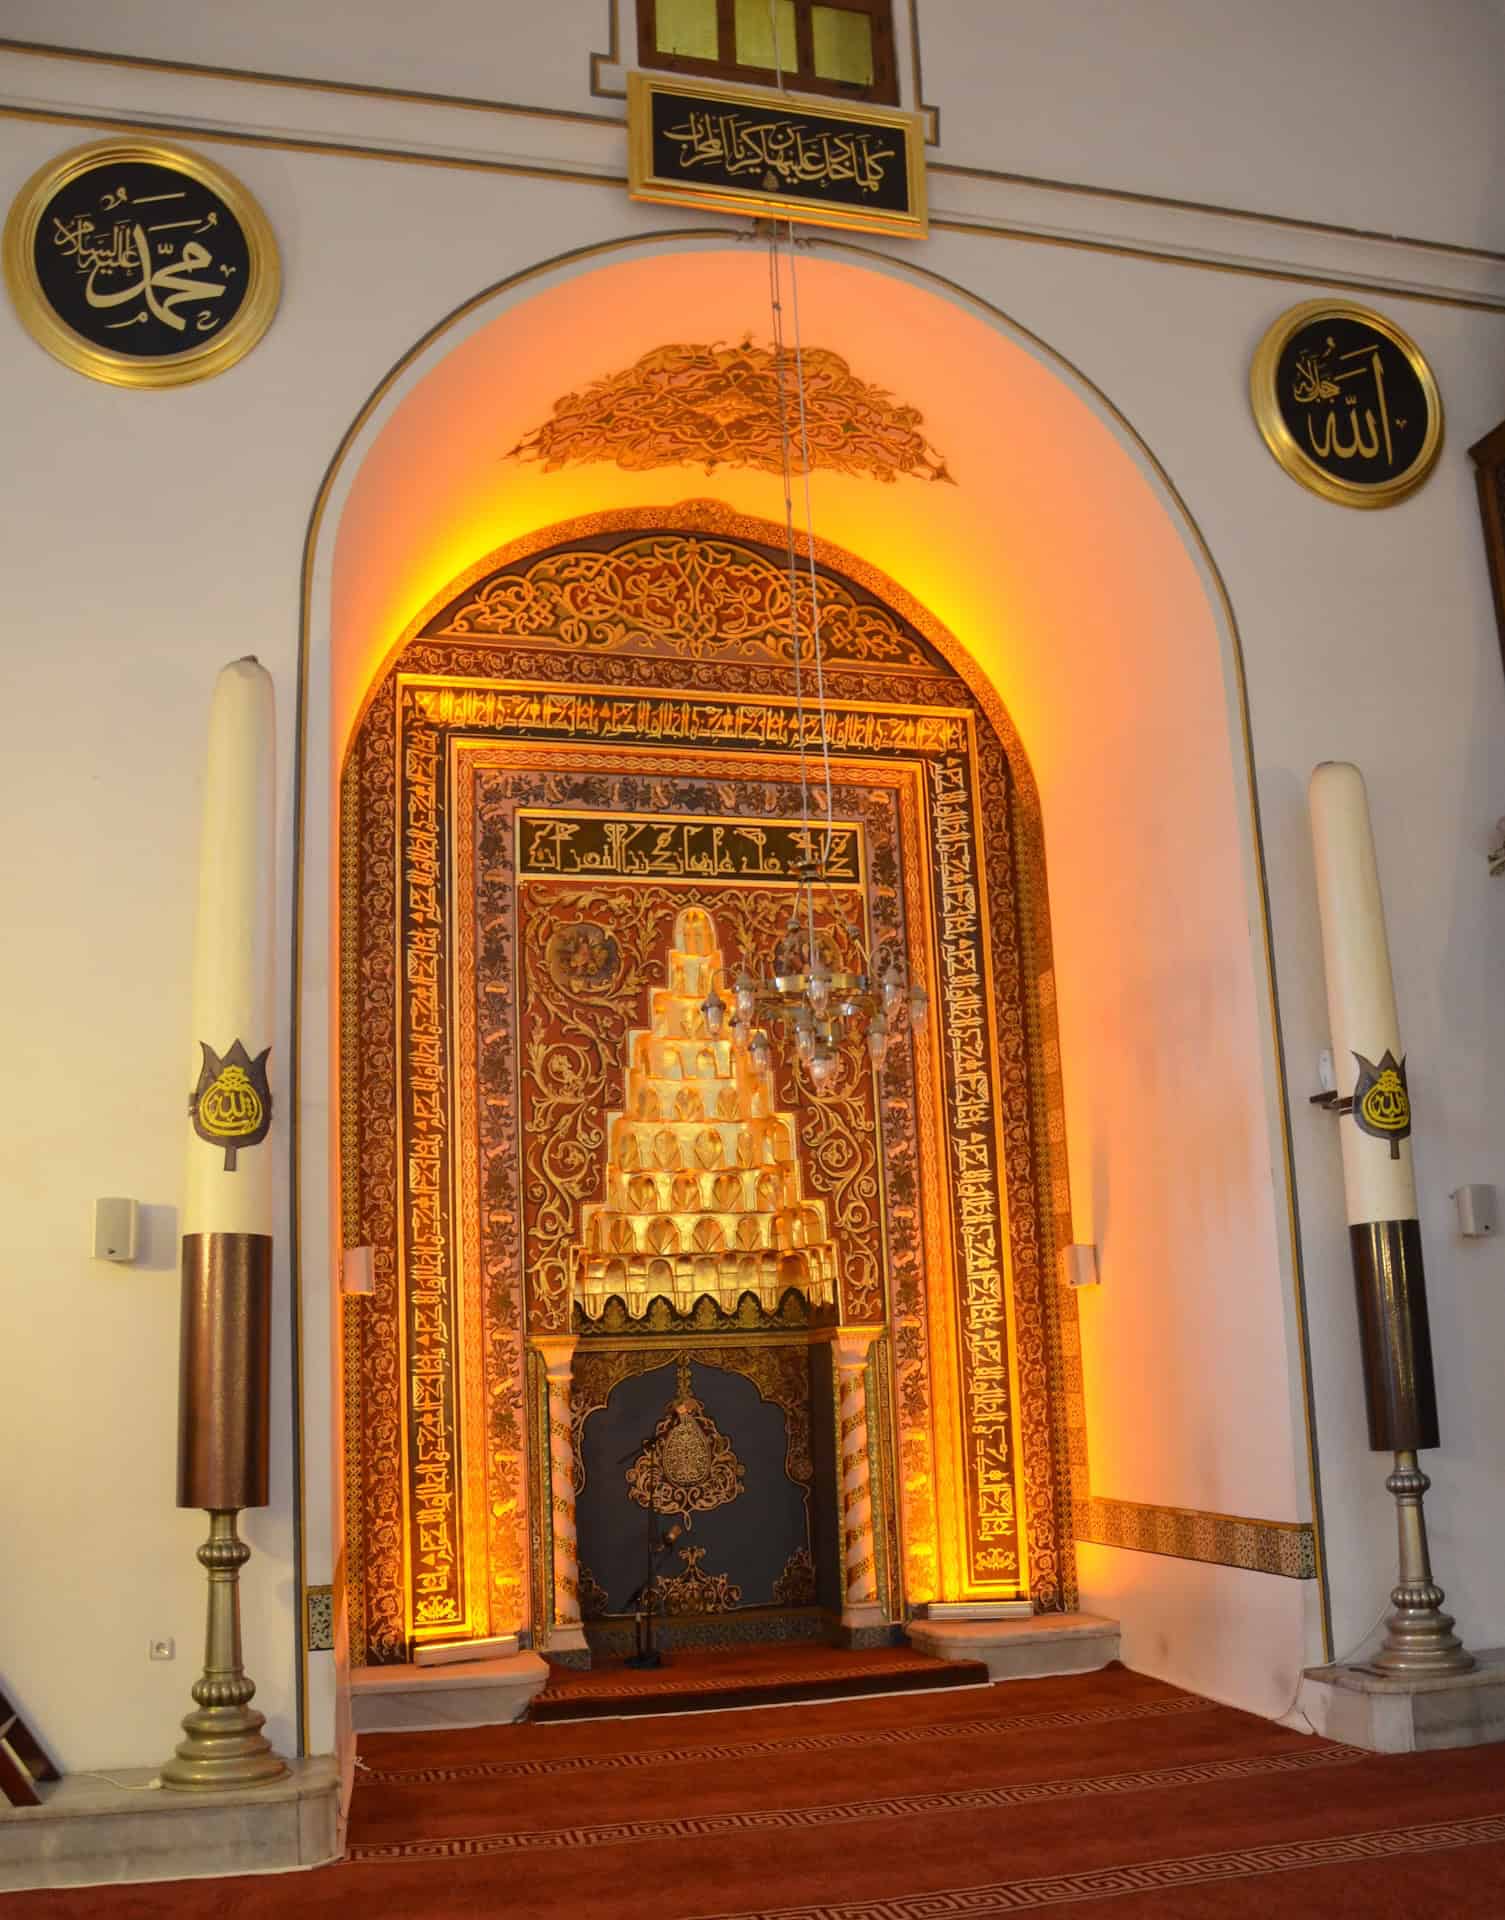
(845, 49)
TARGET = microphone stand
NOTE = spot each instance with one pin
(648, 1655)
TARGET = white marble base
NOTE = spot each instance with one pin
(88, 1832)
(1022, 1649)
(861, 1618)
(483, 1693)
(460, 1653)
(1390, 1715)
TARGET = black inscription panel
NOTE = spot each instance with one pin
(751, 150)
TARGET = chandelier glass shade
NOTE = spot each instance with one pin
(816, 993)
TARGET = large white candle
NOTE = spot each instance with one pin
(229, 1173)
(1377, 1172)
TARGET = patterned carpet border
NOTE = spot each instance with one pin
(843, 1813)
(1148, 1876)
(788, 1743)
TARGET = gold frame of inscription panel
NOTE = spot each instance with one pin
(854, 881)
(473, 1510)
(942, 1298)
(469, 754)
(468, 1417)
(41, 321)
(644, 184)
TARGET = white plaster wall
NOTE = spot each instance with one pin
(1218, 1631)
(148, 537)
(1372, 113)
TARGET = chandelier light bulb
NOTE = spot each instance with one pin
(760, 1053)
(739, 1031)
(818, 986)
(877, 1040)
(893, 991)
(822, 1065)
(744, 995)
(714, 1009)
(804, 1033)
(919, 1006)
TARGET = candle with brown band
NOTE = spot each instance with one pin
(1374, 1107)
(225, 1334)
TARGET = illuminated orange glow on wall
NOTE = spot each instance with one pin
(1059, 566)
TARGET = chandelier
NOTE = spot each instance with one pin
(816, 988)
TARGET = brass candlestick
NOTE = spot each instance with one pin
(1419, 1637)
(225, 1357)
(224, 1745)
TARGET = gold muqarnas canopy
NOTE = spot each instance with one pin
(703, 1188)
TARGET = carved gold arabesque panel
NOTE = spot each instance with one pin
(576, 1020)
(721, 406)
(695, 1591)
(680, 597)
(603, 676)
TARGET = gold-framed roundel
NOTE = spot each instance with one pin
(1346, 403)
(139, 264)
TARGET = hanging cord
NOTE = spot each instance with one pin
(799, 373)
(820, 662)
(786, 462)
(776, 306)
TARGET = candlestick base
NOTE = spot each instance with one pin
(223, 1745)
(1419, 1637)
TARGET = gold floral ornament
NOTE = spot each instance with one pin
(678, 596)
(688, 1466)
(719, 406)
(695, 1592)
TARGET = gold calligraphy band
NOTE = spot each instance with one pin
(225, 1370)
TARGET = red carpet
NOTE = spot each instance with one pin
(707, 1677)
(1103, 1796)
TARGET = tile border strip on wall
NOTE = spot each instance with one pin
(1284, 1547)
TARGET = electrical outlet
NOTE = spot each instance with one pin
(165, 1649)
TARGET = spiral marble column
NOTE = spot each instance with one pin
(565, 1633)
(860, 1606)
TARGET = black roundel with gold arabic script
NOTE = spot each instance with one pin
(1346, 403)
(141, 258)
(140, 265)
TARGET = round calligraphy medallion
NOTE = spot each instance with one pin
(1346, 403)
(140, 265)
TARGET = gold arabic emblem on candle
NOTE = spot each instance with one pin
(232, 1103)
(1381, 1103)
